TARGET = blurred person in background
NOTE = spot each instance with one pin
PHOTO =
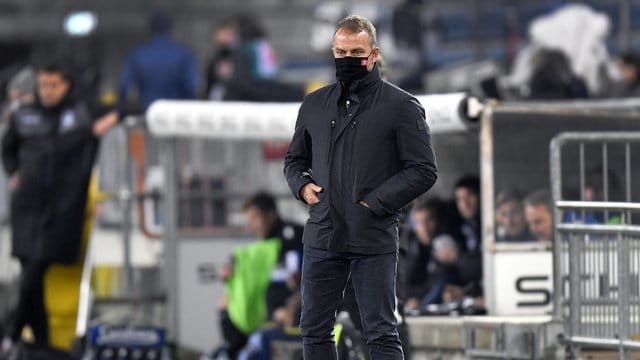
(159, 69)
(552, 77)
(449, 280)
(467, 198)
(461, 276)
(623, 76)
(226, 41)
(510, 220)
(263, 220)
(428, 224)
(539, 214)
(48, 151)
(435, 256)
(252, 73)
(468, 232)
(411, 52)
(260, 57)
(20, 90)
(446, 255)
(355, 196)
(594, 190)
(570, 44)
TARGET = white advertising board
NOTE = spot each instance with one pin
(523, 283)
(199, 290)
(270, 121)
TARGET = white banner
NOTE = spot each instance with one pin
(523, 283)
(269, 121)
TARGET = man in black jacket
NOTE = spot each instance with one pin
(48, 151)
(360, 152)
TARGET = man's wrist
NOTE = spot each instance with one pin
(303, 181)
(374, 205)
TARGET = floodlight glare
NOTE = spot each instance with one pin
(80, 23)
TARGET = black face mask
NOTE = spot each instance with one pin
(350, 69)
(224, 52)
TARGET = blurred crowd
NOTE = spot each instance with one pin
(243, 67)
(243, 64)
(440, 254)
(445, 244)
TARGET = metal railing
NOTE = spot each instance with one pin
(130, 194)
(85, 300)
(597, 247)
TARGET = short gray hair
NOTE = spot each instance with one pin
(540, 198)
(356, 24)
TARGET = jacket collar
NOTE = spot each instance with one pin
(66, 102)
(276, 229)
(366, 83)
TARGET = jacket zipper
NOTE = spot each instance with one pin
(347, 116)
(351, 168)
(332, 125)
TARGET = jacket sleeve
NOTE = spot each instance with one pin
(418, 173)
(192, 76)
(10, 147)
(127, 79)
(297, 162)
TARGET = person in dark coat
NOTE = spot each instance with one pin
(245, 67)
(360, 152)
(48, 151)
(468, 232)
(161, 68)
(428, 224)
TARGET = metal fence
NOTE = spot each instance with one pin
(597, 242)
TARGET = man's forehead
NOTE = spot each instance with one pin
(50, 75)
(537, 207)
(344, 37)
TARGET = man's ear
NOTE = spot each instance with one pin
(373, 58)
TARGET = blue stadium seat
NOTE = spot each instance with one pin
(493, 24)
(454, 26)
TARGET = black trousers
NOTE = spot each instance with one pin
(234, 338)
(350, 305)
(324, 278)
(277, 295)
(31, 310)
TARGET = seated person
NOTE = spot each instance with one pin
(264, 221)
(594, 191)
(446, 255)
(463, 281)
(467, 198)
(539, 215)
(511, 225)
(451, 281)
(280, 294)
(422, 269)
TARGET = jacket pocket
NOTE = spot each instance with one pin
(361, 213)
(319, 212)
